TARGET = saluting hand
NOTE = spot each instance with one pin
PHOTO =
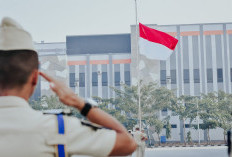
(65, 94)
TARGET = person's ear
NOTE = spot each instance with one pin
(35, 77)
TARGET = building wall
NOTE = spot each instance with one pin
(201, 63)
(98, 62)
(203, 58)
(93, 75)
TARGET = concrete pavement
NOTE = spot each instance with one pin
(211, 151)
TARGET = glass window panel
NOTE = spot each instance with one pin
(117, 78)
(71, 79)
(186, 75)
(219, 75)
(94, 79)
(196, 76)
(209, 76)
(173, 76)
(127, 78)
(104, 79)
(230, 74)
(81, 79)
(163, 76)
(174, 125)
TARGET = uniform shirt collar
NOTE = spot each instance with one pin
(12, 101)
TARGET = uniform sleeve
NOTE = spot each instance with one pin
(85, 140)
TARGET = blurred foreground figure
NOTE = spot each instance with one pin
(25, 132)
(140, 138)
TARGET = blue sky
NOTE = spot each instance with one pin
(52, 20)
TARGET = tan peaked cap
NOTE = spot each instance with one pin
(14, 37)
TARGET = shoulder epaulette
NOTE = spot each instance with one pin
(91, 125)
(58, 111)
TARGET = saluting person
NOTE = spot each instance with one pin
(25, 132)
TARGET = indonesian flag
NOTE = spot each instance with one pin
(155, 44)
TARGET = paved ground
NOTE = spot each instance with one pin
(220, 151)
(187, 152)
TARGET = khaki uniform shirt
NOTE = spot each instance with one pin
(25, 132)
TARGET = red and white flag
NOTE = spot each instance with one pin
(155, 44)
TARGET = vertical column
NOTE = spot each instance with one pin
(122, 80)
(177, 74)
(200, 63)
(110, 75)
(230, 55)
(99, 71)
(202, 52)
(214, 65)
(88, 77)
(105, 80)
(224, 63)
(181, 67)
(226, 59)
(179, 61)
(77, 79)
(191, 80)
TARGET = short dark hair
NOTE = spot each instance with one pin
(16, 67)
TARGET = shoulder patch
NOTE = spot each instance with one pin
(91, 125)
(58, 111)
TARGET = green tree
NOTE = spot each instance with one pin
(185, 107)
(152, 97)
(225, 110)
(157, 124)
(209, 112)
(52, 102)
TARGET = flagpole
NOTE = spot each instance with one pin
(137, 62)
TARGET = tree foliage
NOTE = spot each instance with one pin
(52, 102)
(214, 109)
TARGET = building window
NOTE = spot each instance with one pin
(186, 75)
(164, 112)
(163, 76)
(71, 79)
(230, 74)
(81, 79)
(173, 76)
(117, 78)
(196, 76)
(127, 77)
(104, 79)
(219, 75)
(94, 79)
(209, 76)
(174, 125)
